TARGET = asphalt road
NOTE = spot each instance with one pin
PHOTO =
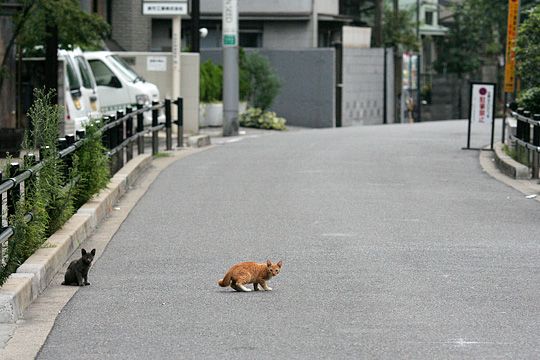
(395, 244)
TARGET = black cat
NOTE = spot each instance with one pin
(77, 271)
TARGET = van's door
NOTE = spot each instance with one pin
(112, 94)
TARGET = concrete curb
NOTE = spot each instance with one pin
(509, 166)
(35, 274)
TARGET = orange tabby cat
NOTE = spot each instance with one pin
(250, 273)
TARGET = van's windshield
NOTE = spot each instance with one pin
(87, 78)
(124, 67)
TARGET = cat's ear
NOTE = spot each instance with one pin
(280, 263)
(83, 251)
(268, 263)
(93, 252)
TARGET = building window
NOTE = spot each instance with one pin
(250, 39)
(429, 18)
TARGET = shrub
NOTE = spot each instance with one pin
(211, 82)
(257, 118)
(528, 50)
(530, 100)
(53, 195)
(261, 82)
(91, 165)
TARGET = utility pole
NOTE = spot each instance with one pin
(51, 58)
(230, 68)
(398, 73)
(378, 37)
(195, 35)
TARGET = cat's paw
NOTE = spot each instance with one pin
(86, 283)
(268, 288)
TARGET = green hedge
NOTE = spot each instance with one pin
(54, 195)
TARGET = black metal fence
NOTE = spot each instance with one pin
(119, 134)
(528, 137)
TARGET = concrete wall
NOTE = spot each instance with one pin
(307, 95)
(189, 81)
(261, 6)
(287, 35)
(327, 7)
(363, 87)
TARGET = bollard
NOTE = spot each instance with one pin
(155, 139)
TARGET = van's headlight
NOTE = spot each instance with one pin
(142, 99)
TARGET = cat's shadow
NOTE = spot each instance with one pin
(241, 292)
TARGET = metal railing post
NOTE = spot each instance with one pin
(180, 108)
(29, 161)
(155, 138)
(1, 207)
(129, 134)
(140, 129)
(536, 142)
(14, 194)
(120, 138)
(168, 122)
(112, 142)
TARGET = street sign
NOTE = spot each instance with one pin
(482, 109)
(511, 36)
(482, 98)
(230, 23)
(165, 8)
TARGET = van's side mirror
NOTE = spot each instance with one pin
(115, 83)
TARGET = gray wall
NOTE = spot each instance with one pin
(260, 6)
(363, 87)
(307, 96)
(130, 28)
(287, 35)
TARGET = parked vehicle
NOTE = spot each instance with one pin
(88, 82)
(76, 112)
(119, 85)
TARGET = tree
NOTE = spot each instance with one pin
(75, 27)
(528, 61)
(399, 30)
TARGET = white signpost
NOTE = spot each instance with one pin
(174, 9)
(482, 109)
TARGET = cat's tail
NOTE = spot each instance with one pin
(226, 281)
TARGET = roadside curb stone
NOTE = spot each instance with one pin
(35, 274)
(509, 166)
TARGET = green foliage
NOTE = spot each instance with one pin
(47, 197)
(46, 119)
(528, 52)
(257, 118)
(245, 85)
(399, 30)
(211, 82)
(75, 27)
(530, 100)
(91, 165)
(262, 83)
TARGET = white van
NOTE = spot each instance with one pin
(119, 85)
(88, 83)
(76, 112)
